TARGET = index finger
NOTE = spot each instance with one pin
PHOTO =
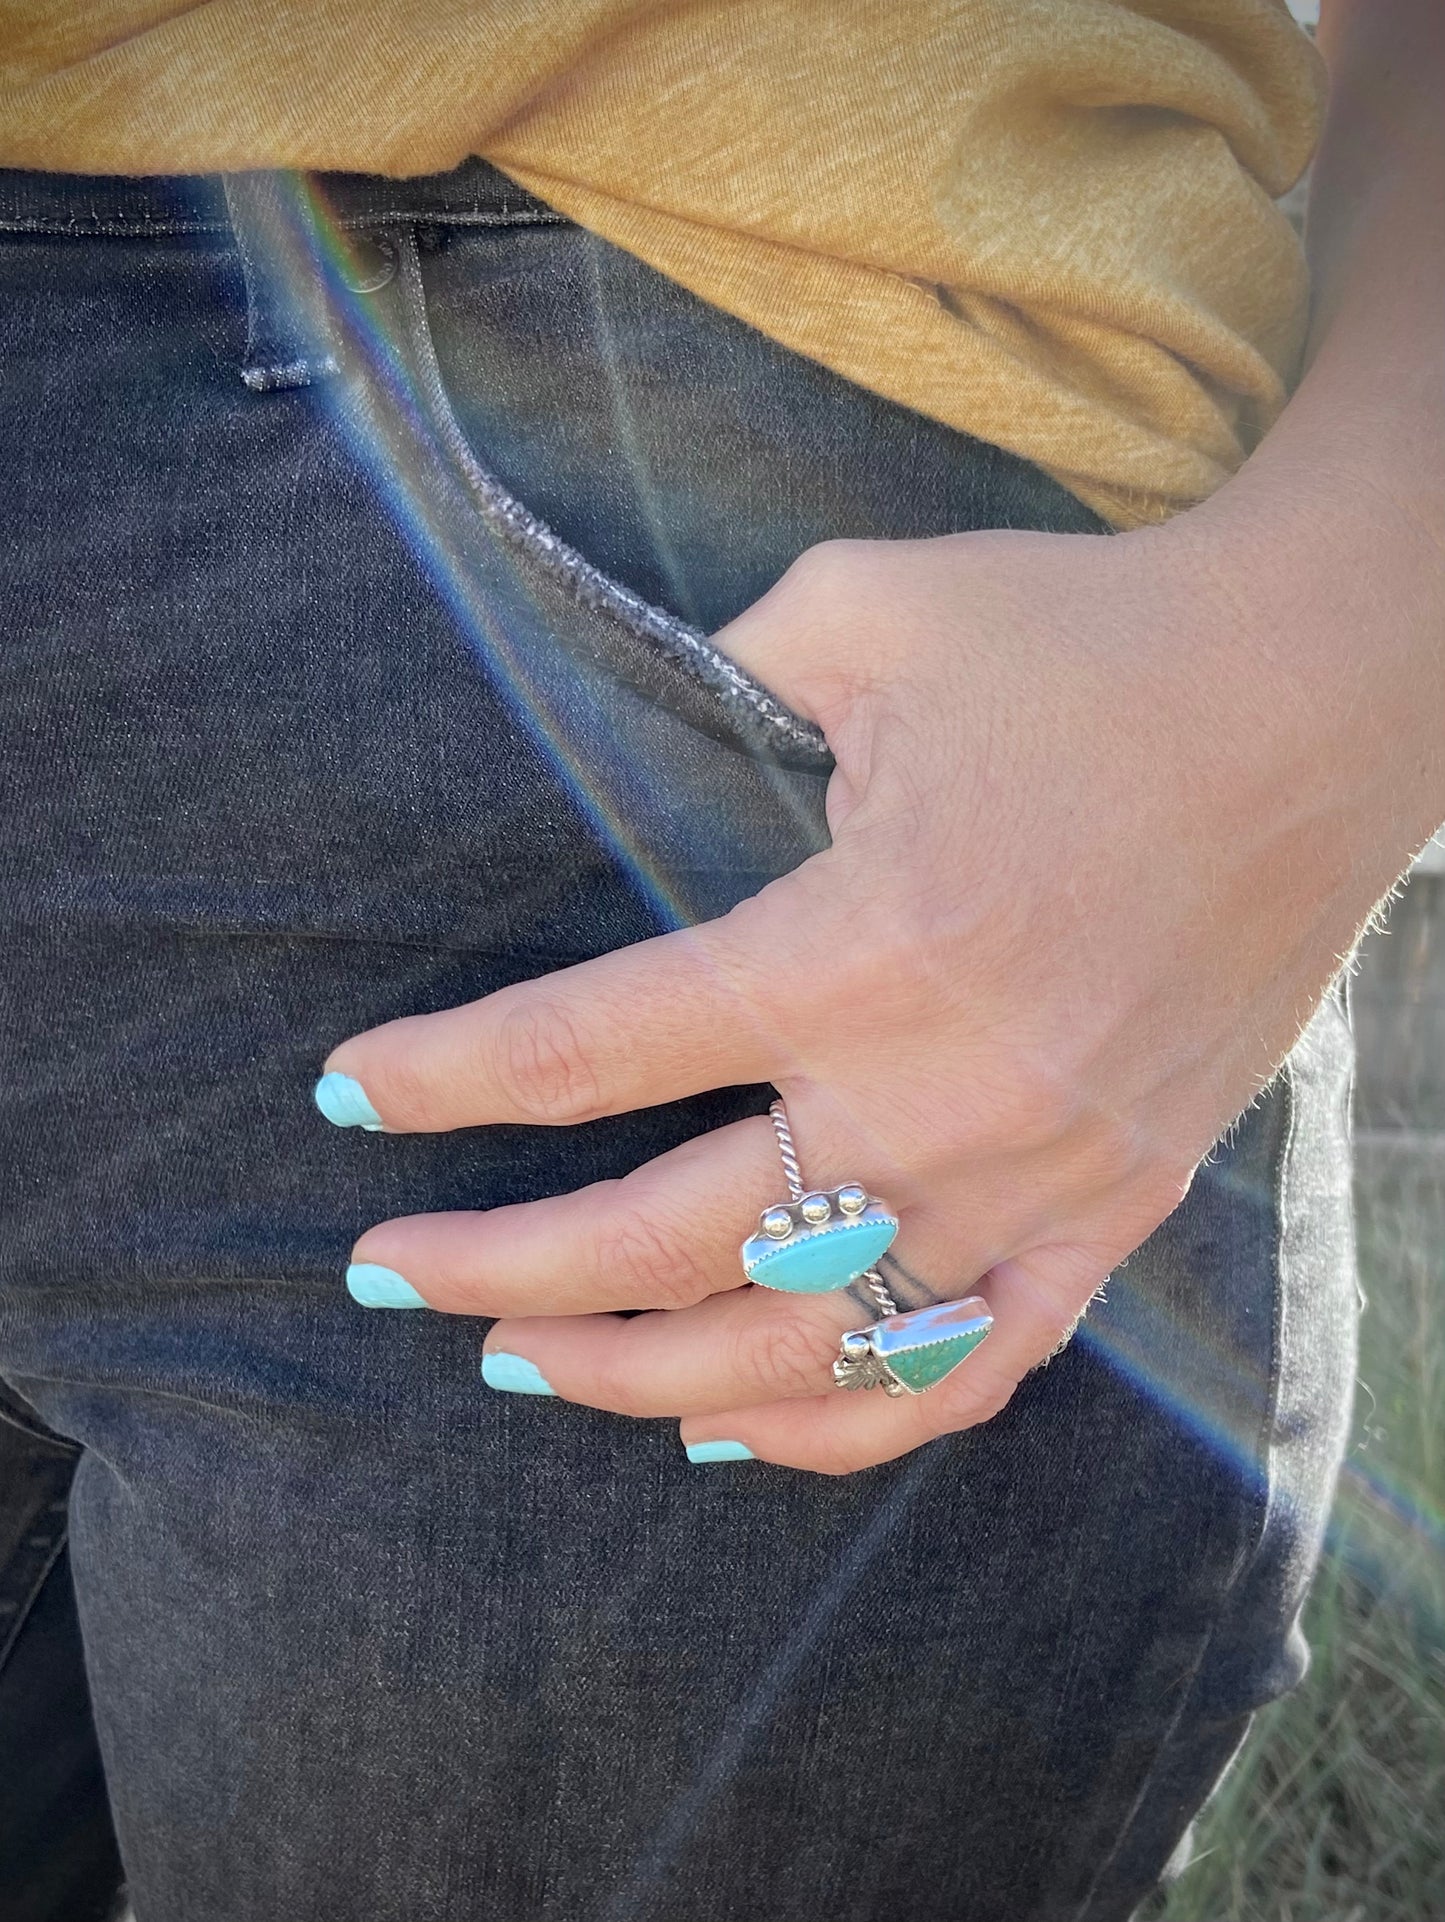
(702, 1008)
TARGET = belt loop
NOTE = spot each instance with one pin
(290, 339)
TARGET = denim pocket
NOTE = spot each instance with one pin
(592, 616)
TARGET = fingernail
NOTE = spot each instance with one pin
(514, 1374)
(343, 1101)
(719, 1451)
(377, 1287)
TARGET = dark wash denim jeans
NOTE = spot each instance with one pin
(352, 665)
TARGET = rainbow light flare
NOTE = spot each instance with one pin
(392, 433)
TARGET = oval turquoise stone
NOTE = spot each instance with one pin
(813, 1264)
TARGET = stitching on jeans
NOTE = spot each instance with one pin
(290, 373)
(90, 227)
(443, 217)
(1250, 1547)
(507, 516)
(142, 226)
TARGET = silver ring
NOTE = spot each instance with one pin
(909, 1354)
(819, 1239)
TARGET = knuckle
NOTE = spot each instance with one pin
(615, 1388)
(1101, 1154)
(1044, 1103)
(641, 1251)
(823, 600)
(1022, 1102)
(451, 1288)
(541, 1062)
(824, 567)
(1114, 1151)
(788, 1357)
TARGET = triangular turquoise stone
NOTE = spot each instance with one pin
(920, 1368)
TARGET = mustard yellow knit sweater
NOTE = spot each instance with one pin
(1048, 222)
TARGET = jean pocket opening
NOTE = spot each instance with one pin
(658, 654)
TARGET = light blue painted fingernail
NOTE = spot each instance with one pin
(343, 1101)
(514, 1374)
(377, 1287)
(719, 1451)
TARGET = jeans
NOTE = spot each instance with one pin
(361, 542)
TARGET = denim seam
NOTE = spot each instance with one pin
(1250, 1546)
(138, 227)
(35, 1430)
(513, 521)
(443, 217)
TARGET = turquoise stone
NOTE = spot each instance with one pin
(815, 1262)
(920, 1368)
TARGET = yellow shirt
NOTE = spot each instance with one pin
(1047, 222)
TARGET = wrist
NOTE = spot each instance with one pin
(1327, 631)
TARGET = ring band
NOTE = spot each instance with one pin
(909, 1354)
(819, 1239)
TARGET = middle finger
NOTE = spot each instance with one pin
(665, 1236)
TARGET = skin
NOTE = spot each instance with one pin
(1109, 815)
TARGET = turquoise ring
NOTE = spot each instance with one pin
(907, 1354)
(822, 1242)
(818, 1240)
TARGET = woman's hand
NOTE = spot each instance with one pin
(1097, 852)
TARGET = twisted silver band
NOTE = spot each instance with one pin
(778, 1115)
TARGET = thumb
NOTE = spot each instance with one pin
(811, 639)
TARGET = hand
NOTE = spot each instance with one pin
(1087, 883)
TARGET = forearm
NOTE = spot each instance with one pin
(1372, 402)
(1337, 522)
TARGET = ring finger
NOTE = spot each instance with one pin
(752, 1349)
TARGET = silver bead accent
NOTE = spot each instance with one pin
(778, 1223)
(815, 1209)
(852, 1199)
(855, 1345)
